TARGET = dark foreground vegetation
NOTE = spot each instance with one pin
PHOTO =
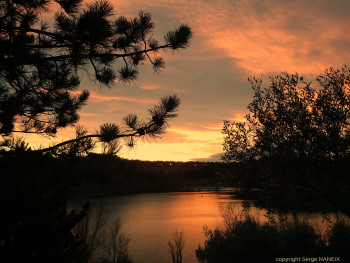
(244, 239)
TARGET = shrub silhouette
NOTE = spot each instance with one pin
(244, 239)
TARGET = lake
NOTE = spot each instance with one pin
(150, 219)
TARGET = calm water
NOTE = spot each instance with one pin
(150, 220)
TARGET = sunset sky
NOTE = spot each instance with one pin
(233, 39)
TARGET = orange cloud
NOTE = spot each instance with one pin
(95, 96)
(88, 114)
(205, 134)
(149, 87)
(238, 116)
(273, 38)
(152, 87)
(261, 36)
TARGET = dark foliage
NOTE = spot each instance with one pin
(246, 240)
(294, 148)
(292, 119)
(35, 225)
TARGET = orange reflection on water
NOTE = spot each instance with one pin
(150, 220)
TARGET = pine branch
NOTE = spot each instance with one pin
(34, 60)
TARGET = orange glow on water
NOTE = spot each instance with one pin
(149, 220)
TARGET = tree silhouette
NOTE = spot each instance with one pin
(290, 118)
(294, 146)
(40, 62)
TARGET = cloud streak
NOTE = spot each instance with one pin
(265, 36)
(273, 36)
(97, 97)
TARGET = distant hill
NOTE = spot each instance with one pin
(98, 174)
